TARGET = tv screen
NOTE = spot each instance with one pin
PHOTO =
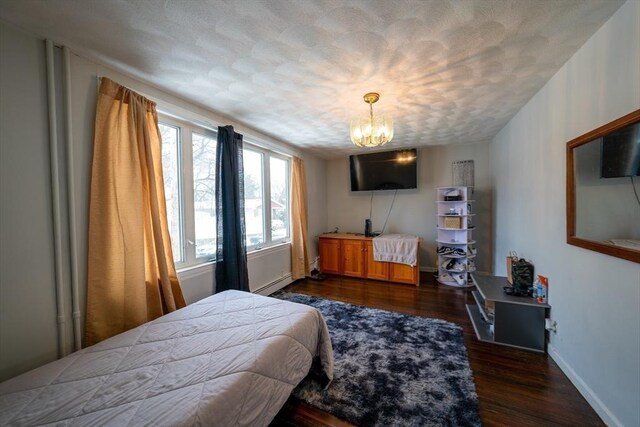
(620, 153)
(389, 170)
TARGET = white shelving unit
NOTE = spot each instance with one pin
(456, 247)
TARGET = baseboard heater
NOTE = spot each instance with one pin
(275, 283)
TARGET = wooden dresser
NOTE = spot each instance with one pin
(352, 255)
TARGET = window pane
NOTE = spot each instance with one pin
(279, 171)
(204, 193)
(253, 205)
(170, 170)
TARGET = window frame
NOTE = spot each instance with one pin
(287, 224)
(267, 154)
(208, 133)
(169, 122)
(186, 198)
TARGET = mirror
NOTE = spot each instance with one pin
(603, 189)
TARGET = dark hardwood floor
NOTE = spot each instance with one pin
(515, 387)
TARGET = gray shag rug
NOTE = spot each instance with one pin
(391, 369)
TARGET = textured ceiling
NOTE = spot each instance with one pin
(448, 71)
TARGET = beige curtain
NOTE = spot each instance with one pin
(299, 254)
(131, 274)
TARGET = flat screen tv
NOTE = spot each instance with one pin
(389, 170)
(620, 153)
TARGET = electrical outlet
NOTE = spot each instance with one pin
(551, 325)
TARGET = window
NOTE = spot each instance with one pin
(171, 173)
(279, 172)
(266, 177)
(189, 165)
(253, 197)
(204, 193)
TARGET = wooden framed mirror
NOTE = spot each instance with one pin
(603, 189)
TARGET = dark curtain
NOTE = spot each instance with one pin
(231, 253)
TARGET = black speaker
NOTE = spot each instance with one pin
(367, 228)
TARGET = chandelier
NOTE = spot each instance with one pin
(371, 131)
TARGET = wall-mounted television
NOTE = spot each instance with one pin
(388, 170)
(620, 153)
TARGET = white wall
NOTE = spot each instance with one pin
(28, 333)
(28, 336)
(317, 190)
(414, 211)
(595, 297)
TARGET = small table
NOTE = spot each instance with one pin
(506, 319)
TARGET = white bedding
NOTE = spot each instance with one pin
(230, 359)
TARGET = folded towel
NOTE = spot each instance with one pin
(398, 248)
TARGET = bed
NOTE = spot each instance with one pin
(229, 359)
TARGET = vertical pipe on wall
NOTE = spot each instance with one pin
(55, 198)
(71, 199)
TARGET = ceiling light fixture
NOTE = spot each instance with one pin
(371, 131)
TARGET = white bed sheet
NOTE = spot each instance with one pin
(230, 359)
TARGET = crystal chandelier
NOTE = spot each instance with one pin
(371, 131)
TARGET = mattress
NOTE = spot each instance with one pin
(229, 359)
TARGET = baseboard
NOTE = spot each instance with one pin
(276, 285)
(586, 392)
